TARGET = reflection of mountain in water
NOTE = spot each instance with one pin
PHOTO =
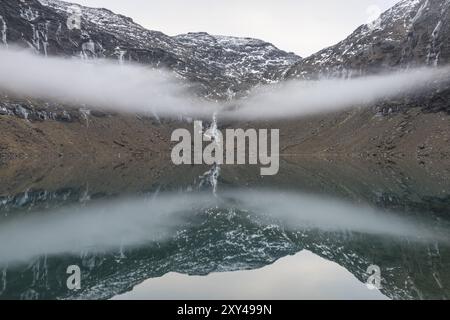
(217, 240)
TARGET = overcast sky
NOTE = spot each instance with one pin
(301, 26)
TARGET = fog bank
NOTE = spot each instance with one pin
(99, 84)
(299, 98)
(136, 88)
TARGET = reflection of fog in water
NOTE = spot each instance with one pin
(129, 223)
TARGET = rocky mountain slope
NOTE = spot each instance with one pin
(240, 61)
(413, 33)
(222, 65)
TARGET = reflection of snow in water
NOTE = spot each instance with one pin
(212, 175)
(211, 178)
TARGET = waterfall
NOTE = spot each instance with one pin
(216, 138)
(45, 35)
(36, 38)
(121, 55)
(88, 50)
(212, 175)
(4, 29)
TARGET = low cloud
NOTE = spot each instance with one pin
(98, 83)
(141, 89)
(299, 98)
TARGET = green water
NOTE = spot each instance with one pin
(310, 232)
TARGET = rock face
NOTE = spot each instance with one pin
(242, 62)
(412, 33)
(223, 66)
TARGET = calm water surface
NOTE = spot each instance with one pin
(202, 233)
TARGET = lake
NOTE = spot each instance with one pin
(140, 230)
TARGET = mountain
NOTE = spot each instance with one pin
(412, 33)
(223, 66)
(243, 62)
